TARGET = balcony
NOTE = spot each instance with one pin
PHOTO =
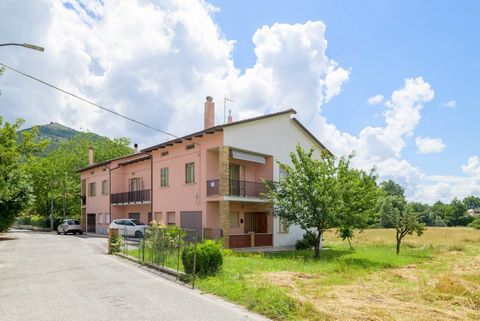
(238, 188)
(135, 197)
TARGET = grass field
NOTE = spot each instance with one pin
(435, 277)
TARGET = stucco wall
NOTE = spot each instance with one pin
(276, 136)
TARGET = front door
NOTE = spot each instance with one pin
(255, 222)
(91, 225)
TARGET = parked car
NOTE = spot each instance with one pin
(70, 226)
(129, 227)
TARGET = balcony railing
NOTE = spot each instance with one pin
(134, 197)
(238, 188)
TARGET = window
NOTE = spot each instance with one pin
(190, 146)
(100, 218)
(164, 176)
(92, 189)
(158, 217)
(134, 216)
(107, 218)
(190, 173)
(234, 219)
(283, 226)
(105, 187)
(163, 154)
(171, 218)
(135, 184)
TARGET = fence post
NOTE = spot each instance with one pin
(194, 258)
(178, 253)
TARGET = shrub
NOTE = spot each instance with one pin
(40, 221)
(24, 220)
(209, 258)
(307, 242)
(475, 223)
(116, 243)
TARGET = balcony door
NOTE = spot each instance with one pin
(135, 184)
(236, 173)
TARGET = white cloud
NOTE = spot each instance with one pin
(450, 104)
(427, 145)
(375, 100)
(472, 167)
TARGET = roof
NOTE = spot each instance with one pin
(108, 161)
(210, 130)
(218, 128)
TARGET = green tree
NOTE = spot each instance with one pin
(391, 188)
(359, 193)
(59, 167)
(15, 152)
(314, 193)
(402, 216)
(472, 202)
(457, 215)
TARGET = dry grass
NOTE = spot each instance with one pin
(445, 287)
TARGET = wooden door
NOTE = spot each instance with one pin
(91, 224)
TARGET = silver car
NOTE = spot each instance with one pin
(70, 226)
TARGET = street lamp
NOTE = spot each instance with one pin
(26, 45)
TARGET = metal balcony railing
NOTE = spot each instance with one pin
(131, 197)
(237, 188)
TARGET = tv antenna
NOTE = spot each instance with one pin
(225, 99)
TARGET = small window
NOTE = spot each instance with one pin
(105, 187)
(100, 218)
(107, 218)
(282, 173)
(283, 226)
(190, 146)
(92, 189)
(234, 219)
(158, 217)
(171, 218)
(164, 177)
(163, 154)
(190, 173)
(149, 219)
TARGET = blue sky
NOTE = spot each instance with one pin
(384, 42)
(156, 60)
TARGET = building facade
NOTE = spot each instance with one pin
(211, 181)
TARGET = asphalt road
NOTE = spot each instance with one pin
(46, 276)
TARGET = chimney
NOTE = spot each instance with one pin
(209, 116)
(135, 148)
(90, 155)
(230, 119)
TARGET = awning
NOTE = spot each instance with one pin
(248, 157)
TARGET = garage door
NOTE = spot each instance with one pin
(192, 221)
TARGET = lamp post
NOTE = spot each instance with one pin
(25, 45)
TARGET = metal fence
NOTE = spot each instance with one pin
(162, 248)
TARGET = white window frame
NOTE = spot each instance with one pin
(107, 218)
(171, 214)
(100, 218)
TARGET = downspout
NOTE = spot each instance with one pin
(151, 187)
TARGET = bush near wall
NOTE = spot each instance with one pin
(24, 220)
(209, 258)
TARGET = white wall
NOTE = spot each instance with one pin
(276, 136)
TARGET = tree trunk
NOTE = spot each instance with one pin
(399, 240)
(350, 243)
(317, 244)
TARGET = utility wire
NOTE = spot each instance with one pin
(88, 101)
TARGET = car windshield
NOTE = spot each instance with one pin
(137, 222)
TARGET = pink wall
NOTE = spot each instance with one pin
(243, 208)
(179, 196)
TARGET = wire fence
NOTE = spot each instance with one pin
(162, 248)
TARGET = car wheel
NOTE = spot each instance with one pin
(58, 232)
(81, 232)
(74, 233)
(138, 234)
(64, 232)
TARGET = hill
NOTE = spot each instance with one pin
(56, 133)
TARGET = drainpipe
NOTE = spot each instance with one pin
(151, 186)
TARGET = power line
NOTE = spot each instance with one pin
(87, 101)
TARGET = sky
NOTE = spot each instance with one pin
(394, 81)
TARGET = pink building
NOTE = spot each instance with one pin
(210, 181)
